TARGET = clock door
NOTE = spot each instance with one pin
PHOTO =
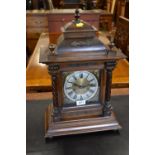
(81, 88)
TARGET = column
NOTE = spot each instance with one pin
(109, 66)
(53, 71)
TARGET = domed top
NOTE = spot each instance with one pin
(79, 42)
(78, 28)
(79, 37)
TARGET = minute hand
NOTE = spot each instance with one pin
(81, 86)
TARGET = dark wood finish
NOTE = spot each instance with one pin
(85, 125)
(87, 111)
(35, 25)
(37, 22)
(83, 58)
(74, 112)
(38, 79)
(106, 20)
(58, 18)
(122, 9)
(40, 4)
(80, 53)
(102, 4)
(57, 3)
(127, 10)
(70, 4)
(82, 112)
(121, 39)
(109, 66)
(53, 70)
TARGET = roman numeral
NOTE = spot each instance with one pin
(91, 80)
(92, 85)
(70, 93)
(70, 82)
(75, 96)
(87, 76)
(81, 98)
(74, 77)
(87, 95)
(92, 91)
(81, 75)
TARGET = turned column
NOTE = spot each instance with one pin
(107, 109)
(53, 71)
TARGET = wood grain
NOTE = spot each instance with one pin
(35, 25)
(79, 126)
(38, 79)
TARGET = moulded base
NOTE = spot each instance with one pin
(78, 126)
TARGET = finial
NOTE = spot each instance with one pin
(77, 15)
(52, 48)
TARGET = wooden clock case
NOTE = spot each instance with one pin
(79, 48)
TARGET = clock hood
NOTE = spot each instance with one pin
(79, 42)
(77, 37)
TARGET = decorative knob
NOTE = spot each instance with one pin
(77, 16)
(52, 47)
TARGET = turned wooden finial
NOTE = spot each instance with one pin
(52, 48)
(77, 15)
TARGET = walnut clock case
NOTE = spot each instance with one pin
(81, 67)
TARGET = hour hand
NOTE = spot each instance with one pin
(80, 86)
(75, 84)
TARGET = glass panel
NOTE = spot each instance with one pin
(81, 87)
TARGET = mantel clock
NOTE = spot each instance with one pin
(81, 67)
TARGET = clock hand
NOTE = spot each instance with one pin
(88, 85)
(83, 86)
(80, 86)
(74, 84)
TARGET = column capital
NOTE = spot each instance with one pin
(53, 68)
(110, 65)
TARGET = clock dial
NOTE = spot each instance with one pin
(80, 85)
